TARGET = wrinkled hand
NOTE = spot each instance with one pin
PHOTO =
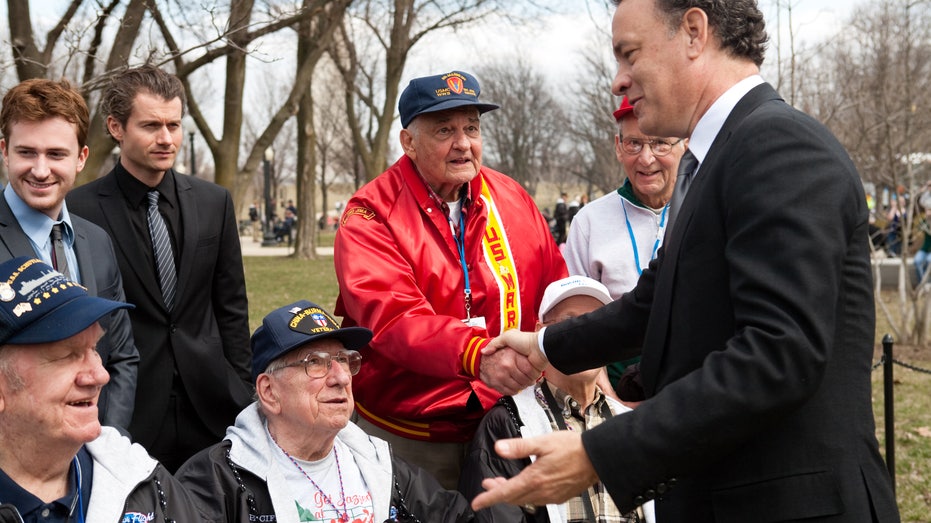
(561, 470)
(512, 362)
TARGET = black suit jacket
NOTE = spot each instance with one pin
(757, 331)
(101, 276)
(206, 335)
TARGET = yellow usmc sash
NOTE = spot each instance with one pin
(500, 261)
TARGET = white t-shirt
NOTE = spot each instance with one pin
(325, 501)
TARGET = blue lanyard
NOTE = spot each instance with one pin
(633, 239)
(460, 244)
(78, 503)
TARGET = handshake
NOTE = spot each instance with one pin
(512, 361)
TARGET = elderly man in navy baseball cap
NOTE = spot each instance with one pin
(56, 462)
(437, 255)
(294, 455)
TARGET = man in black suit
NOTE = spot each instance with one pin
(179, 253)
(756, 321)
(44, 125)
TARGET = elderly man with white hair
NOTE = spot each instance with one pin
(57, 464)
(293, 455)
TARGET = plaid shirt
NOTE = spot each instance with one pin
(605, 510)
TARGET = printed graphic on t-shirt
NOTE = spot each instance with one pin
(359, 510)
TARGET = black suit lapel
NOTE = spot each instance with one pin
(657, 335)
(189, 228)
(131, 246)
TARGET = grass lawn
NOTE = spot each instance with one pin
(273, 282)
(276, 281)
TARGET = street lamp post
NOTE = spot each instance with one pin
(193, 160)
(268, 238)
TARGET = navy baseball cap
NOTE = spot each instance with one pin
(296, 325)
(39, 305)
(439, 93)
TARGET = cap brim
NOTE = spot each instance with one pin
(67, 320)
(352, 337)
(453, 104)
(577, 291)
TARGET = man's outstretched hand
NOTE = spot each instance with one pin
(561, 470)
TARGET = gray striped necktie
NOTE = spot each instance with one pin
(59, 255)
(161, 247)
(683, 178)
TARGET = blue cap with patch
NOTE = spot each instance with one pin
(439, 93)
(296, 325)
(39, 305)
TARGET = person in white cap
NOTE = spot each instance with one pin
(556, 402)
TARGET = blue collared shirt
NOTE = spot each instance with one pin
(38, 228)
(70, 508)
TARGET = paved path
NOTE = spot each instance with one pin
(251, 248)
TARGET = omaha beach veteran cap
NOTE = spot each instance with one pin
(296, 325)
(39, 305)
(430, 94)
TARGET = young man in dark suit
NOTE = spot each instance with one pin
(179, 253)
(44, 125)
(756, 321)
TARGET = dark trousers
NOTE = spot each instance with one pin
(183, 434)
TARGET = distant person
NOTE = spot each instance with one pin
(179, 253)
(614, 238)
(573, 209)
(256, 221)
(56, 462)
(556, 402)
(293, 455)
(44, 125)
(285, 227)
(923, 254)
(756, 321)
(437, 255)
(561, 214)
(894, 218)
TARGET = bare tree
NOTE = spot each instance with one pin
(524, 137)
(371, 51)
(314, 38)
(239, 33)
(592, 125)
(879, 67)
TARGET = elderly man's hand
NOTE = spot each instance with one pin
(512, 362)
(561, 470)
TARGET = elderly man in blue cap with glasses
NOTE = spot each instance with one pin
(293, 455)
(56, 462)
(437, 255)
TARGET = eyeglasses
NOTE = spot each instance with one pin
(317, 364)
(657, 146)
